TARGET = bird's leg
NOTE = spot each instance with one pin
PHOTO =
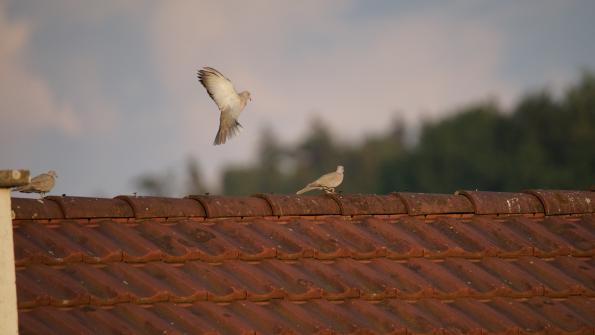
(329, 190)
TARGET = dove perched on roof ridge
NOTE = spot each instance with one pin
(327, 182)
(229, 102)
(41, 184)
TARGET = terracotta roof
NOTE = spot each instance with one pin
(479, 262)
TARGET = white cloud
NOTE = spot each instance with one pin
(297, 58)
(302, 58)
(248, 44)
(26, 102)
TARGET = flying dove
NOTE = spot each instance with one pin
(41, 184)
(230, 103)
(328, 182)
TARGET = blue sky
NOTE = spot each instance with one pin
(106, 91)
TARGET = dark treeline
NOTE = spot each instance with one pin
(542, 142)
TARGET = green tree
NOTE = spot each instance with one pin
(542, 142)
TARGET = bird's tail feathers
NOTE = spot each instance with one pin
(24, 188)
(226, 131)
(303, 190)
(308, 188)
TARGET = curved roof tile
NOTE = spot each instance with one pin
(473, 262)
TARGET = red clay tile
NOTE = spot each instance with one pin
(152, 207)
(527, 317)
(250, 246)
(582, 308)
(252, 318)
(66, 291)
(306, 280)
(393, 237)
(557, 202)
(31, 292)
(490, 319)
(286, 205)
(475, 281)
(340, 240)
(450, 318)
(463, 240)
(32, 323)
(580, 270)
(60, 323)
(143, 321)
(516, 282)
(375, 317)
(503, 242)
(307, 272)
(182, 319)
(103, 320)
(544, 243)
(102, 286)
(167, 240)
(134, 248)
(425, 203)
(557, 314)
(83, 207)
(35, 209)
(434, 244)
(205, 242)
(288, 245)
(556, 284)
(503, 202)
(413, 317)
(577, 235)
(46, 244)
(219, 206)
(96, 247)
(356, 238)
(283, 317)
(364, 204)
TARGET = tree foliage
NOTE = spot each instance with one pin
(541, 143)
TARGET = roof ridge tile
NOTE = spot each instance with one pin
(232, 206)
(434, 203)
(91, 207)
(558, 202)
(151, 207)
(464, 202)
(368, 204)
(36, 209)
(503, 202)
(287, 205)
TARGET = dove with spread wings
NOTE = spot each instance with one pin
(230, 103)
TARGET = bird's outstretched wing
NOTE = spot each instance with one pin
(220, 89)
